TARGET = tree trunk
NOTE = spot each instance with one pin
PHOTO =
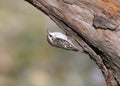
(94, 24)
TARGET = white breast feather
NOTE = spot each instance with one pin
(61, 36)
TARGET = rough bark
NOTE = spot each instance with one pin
(94, 24)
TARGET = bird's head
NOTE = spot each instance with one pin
(50, 38)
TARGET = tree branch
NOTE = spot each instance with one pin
(99, 38)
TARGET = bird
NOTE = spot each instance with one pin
(60, 40)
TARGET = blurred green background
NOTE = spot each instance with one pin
(26, 59)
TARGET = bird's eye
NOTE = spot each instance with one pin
(50, 35)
